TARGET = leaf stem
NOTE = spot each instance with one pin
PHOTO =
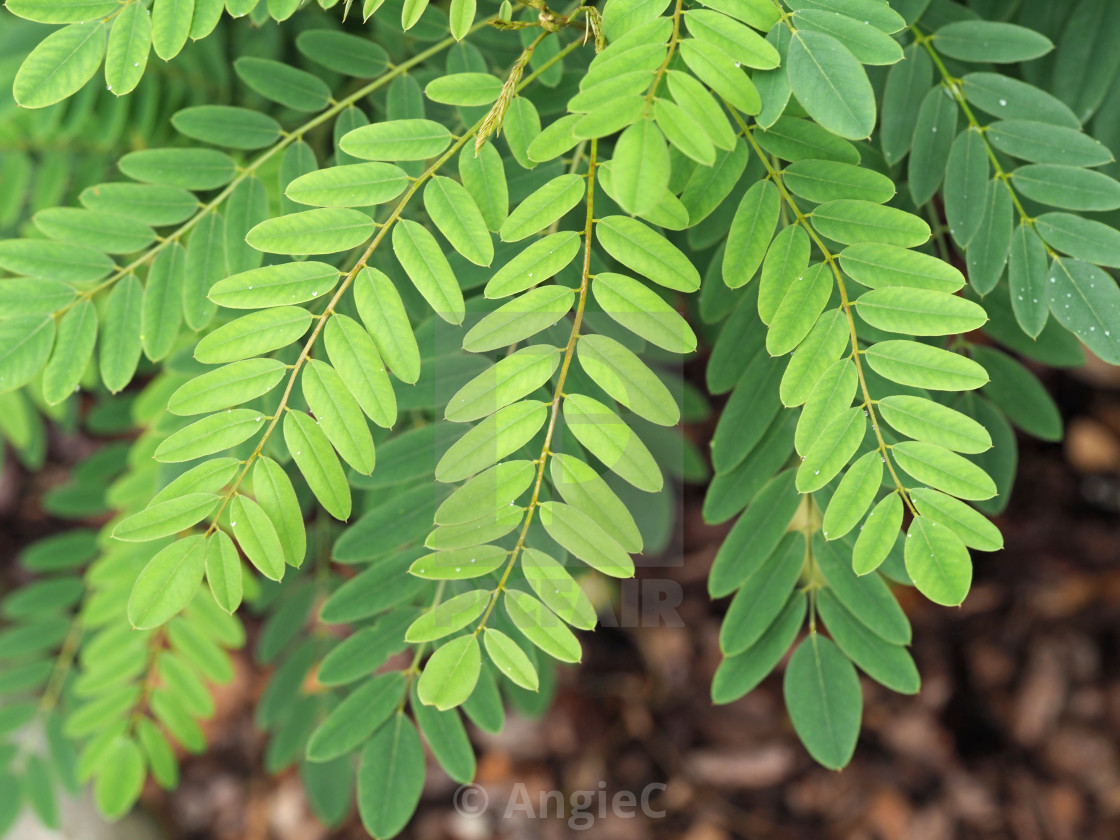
(558, 392)
(845, 303)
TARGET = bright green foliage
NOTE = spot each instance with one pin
(414, 306)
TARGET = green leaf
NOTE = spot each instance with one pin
(524, 316)
(786, 261)
(541, 626)
(701, 107)
(830, 84)
(223, 571)
(167, 583)
(800, 307)
(752, 228)
(737, 41)
(73, 349)
(1019, 394)
(448, 617)
(355, 357)
(755, 535)
(227, 386)
(832, 394)
(491, 490)
(853, 496)
(973, 528)
(823, 180)
(931, 422)
(990, 42)
(543, 207)
(966, 185)
(60, 64)
(162, 308)
(822, 694)
(165, 518)
(877, 535)
(609, 439)
(919, 312)
(171, 25)
(275, 285)
(557, 589)
(190, 169)
(643, 312)
(252, 335)
(1027, 271)
(585, 538)
(1038, 142)
(484, 177)
(763, 595)
(120, 778)
(739, 674)
(678, 127)
(510, 659)
(351, 185)
(907, 85)
(315, 458)
(640, 167)
(390, 777)
(353, 721)
(938, 562)
(718, 71)
(257, 537)
(277, 498)
(460, 563)
(496, 437)
(512, 378)
(537, 263)
(209, 435)
(869, 44)
(627, 379)
(453, 211)
(280, 82)
(878, 266)
(831, 452)
(932, 144)
(206, 264)
(62, 11)
(1083, 239)
(816, 354)
(225, 125)
(34, 296)
(943, 469)
(130, 41)
(451, 673)
(1085, 300)
(795, 139)
(120, 335)
(464, 89)
(207, 477)
(396, 140)
(888, 664)
(462, 17)
(338, 415)
(869, 599)
(585, 489)
(321, 231)
(423, 261)
(25, 344)
(643, 250)
(1067, 187)
(1007, 98)
(382, 311)
(850, 222)
(922, 366)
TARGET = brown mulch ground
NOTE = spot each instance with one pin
(1015, 734)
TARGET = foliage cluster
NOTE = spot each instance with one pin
(384, 308)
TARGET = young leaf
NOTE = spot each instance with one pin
(223, 571)
(382, 311)
(938, 562)
(167, 583)
(315, 458)
(257, 537)
(451, 673)
(60, 65)
(423, 261)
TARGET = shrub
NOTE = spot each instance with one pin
(384, 322)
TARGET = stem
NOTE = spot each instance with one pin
(845, 303)
(558, 393)
(286, 140)
(321, 321)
